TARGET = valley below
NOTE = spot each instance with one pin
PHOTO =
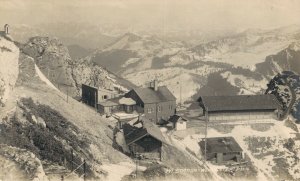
(48, 133)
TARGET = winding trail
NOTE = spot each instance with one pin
(182, 147)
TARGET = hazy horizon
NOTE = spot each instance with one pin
(146, 14)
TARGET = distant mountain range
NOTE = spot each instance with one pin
(85, 35)
(242, 63)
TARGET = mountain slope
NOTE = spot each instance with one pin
(85, 35)
(54, 61)
(40, 120)
(287, 59)
(9, 55)
(243, 62)
(77, 51)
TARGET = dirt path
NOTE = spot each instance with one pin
(182, 148)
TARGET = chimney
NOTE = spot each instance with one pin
(154, 85)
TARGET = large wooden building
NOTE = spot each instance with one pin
(221, 149)
(240, 107)
(92, 95)
(146, 141)
(156, 103)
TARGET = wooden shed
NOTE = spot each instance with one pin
(178, 122)
(146, 141)
(221, 149)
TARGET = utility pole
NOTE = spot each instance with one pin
(205, 144)
(84, 170)
(180, 87)
(72, 159)
(136, 167)
(137, 156)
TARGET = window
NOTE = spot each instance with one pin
(158, 108)
(170, 107)
(150, 110)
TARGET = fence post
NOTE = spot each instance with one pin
(84, 170)
(72, 160)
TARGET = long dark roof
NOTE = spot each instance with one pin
(133, 134)
(221, 145)
(148, 95)
(240, 102)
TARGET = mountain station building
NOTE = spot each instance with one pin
(156, 103)
(240, 107)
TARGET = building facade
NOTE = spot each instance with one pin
(146, 141)
(178, 122)
(89, 95)
(118, 104)
(92, 96)
(221, 149)
(156, 103)
(240, 107)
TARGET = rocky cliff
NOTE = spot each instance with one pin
(54, 61)
(9, 54)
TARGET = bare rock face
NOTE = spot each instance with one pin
(53, 59)
(9, 55)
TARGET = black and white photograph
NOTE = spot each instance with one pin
(149, 90)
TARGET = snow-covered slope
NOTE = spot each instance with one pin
(241, 61)
(271, 150)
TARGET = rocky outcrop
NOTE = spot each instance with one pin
(20, 165)
(9, 55)
(53, 59)
(287, 59)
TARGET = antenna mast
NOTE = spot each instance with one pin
(180, 87)
(205, 145)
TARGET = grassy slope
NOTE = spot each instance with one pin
(90, 125)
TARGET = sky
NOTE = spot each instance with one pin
(189, 14)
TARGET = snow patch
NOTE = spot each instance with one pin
(117, 171)
(44, 78)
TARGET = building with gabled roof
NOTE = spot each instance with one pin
(240, 107)
(156, 103)
(220, 149)
(145, 141)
